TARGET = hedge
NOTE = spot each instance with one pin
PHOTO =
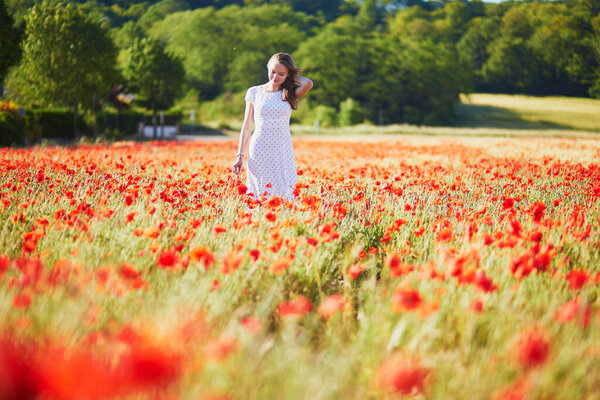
(11, 130)
(57, 123)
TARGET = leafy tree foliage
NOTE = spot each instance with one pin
(68, 59)
(393, 77)
(228, 49)
(397, 60)
(538, 48)
(10, 40)
(329, 9)
(156, 76)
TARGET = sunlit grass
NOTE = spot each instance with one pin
(529, 112)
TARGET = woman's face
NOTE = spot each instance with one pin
(278, 73)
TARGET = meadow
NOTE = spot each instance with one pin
(529, 112)
(407, 266)
(477, 114)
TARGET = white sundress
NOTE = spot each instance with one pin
(271, 154)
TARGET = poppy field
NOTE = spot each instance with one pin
(406, 267)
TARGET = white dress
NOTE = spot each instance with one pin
(271, 164)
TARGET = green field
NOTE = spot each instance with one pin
(478, 114)
(529, 112)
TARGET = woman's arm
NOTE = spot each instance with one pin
(244, 137)
(305, 85)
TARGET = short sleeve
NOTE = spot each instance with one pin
(250, 95)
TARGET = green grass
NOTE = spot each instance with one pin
(478, 114)
(529, 112)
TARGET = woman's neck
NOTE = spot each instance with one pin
(271, 88)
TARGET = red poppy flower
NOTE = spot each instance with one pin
(280, 265)
(270, 216)
(577, 278)
(22, 300)
(254, 255)
(231, 262)
(402, 375)
(532, 348)
(405, 299)
(204, 255)
(331, 305)
(299, 306)
(355, 270)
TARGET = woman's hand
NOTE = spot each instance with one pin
(237, 166)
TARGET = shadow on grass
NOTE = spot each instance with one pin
(481, 116)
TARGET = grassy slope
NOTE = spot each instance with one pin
(528, 112)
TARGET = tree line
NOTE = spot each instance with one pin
(388, 61)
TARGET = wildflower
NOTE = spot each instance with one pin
(254, 255)
(270, 216)
(252, 325)
(444, 235)
(328, 233)
(403, 375)
(393, 261)
(220, 348)
(167, 259)
(477, 306)
(405, 299)
(484, 283)
(331, 305)
(129, 217)
(128, 272)
(128, 199)
(339, 211)
(355, 270)
(204, 255)
(298, 306)
(231, 262)
(574, 308)
(280, 265)
(537, 211)
(396, 266)
(22, 300)
(217, 230)
(419, 231)
(532, 348)
(5, 263)
(577, 278)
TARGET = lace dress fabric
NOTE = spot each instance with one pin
(271, 164)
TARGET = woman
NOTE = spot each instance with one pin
(271, 164)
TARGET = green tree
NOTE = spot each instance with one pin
(412, 22)
(594, 89)
(10, 43)
(68, 59)
(160, 10)
(393, 79)
(156, 76)
(329, 9)
(473, 46)
(125, 35)
(221, 54)
(350, 113)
